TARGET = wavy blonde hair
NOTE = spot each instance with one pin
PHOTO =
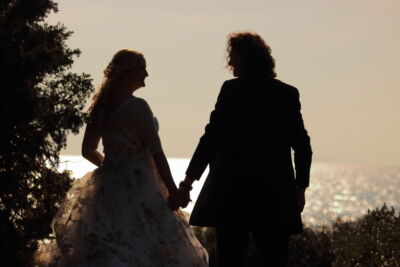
(123, 65)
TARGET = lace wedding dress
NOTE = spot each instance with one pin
(117, 215)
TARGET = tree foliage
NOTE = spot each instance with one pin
(40, 102)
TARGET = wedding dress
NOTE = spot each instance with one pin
(117, 215)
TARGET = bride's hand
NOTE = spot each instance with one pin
(178, 198)
(184, 197)
(172, 200)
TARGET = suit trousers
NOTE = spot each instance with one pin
(232, 246)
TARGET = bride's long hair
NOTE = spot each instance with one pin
(116, 75)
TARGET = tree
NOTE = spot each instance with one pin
(40, 102)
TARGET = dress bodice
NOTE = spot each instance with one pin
(124, 138)
(125, 144)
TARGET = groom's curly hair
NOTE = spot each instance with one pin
(255, 54)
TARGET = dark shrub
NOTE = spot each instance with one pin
(372, 240)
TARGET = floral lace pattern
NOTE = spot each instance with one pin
(117, 215)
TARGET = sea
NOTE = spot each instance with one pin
(336, 190)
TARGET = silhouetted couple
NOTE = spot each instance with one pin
(126, 212)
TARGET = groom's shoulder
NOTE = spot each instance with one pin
(287, 88)
(234, 81)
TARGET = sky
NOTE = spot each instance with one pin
(342, 55)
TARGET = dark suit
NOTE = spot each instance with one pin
(248, 141)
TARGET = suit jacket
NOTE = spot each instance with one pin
(248, 144)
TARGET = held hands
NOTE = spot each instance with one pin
(179, 198)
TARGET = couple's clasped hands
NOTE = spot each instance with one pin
(179, 197)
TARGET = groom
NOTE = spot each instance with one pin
(252, 189)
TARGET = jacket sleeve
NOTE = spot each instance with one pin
(211, 138)
(300, 142)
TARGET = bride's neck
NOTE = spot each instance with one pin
(121, 96)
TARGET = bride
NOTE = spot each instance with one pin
(126, 212)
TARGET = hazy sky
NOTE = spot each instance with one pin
(343, 56)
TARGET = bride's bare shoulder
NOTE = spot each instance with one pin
(138, 101)
(138, 104)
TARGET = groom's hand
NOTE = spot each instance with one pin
(179, 198)
(301, 198)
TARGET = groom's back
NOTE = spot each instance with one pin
(258, 129)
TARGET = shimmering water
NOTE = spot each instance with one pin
(348, 191)
(336, 190)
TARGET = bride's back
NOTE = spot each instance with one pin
(121, 136)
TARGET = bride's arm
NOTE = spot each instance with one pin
(143, 118)
(163, 169)
(89, 145)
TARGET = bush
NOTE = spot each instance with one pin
(372, 240)
(313, 247)
(206, 237)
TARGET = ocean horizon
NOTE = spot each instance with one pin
(336, 189)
